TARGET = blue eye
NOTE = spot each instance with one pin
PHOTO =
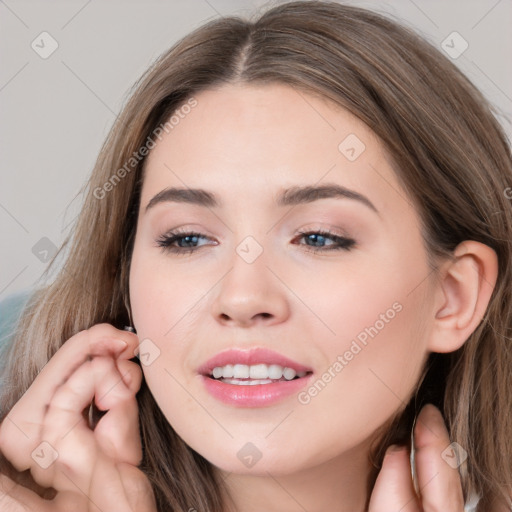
(320, 237)
(166, 242)
(186, 242)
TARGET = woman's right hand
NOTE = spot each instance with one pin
(48, 433)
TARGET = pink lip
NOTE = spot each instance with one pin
(259, 395)
(250, 357)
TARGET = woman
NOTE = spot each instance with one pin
(305, 219)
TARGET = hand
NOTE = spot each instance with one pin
(93, 470)
(439, 483)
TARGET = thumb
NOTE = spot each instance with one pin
(393, 488)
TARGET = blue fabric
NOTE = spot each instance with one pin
(10, 311)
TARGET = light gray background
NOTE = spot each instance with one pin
(55, 112)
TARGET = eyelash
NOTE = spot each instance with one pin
(165, 241)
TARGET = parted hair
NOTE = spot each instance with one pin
(448, 151)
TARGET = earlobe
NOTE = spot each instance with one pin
(465, 288)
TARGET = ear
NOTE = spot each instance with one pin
(462, 295)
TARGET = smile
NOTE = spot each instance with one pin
(245, 375)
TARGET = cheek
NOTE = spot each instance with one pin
(372, 371)
(166, 309)
(160, 297)
(375, 301)
(159, 302)
(377, 348)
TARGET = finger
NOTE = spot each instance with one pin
(393, 489)
(20, 431)
(129, 488)
(118, 433)
(438, 478)
(110, 384)
(137, 487)
(131, 373)
(99, 340)
(66, 429)
(16, 498)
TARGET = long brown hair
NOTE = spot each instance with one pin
(449, 153)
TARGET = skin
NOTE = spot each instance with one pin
(93, 364)
(245, 144)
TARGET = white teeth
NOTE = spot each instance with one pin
(257, 372)
(289, 373)
(247, 382)
(227, 371)
(217, 372)
(275, 371)
(241, 371)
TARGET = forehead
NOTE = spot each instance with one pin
(246, 140)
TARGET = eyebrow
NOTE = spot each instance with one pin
(289, 197)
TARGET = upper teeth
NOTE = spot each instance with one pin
(255, 371)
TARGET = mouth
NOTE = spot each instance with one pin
(253, 378)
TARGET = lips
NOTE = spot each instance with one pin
(250, 357)
(246, 377)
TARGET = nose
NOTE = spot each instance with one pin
(250, 294)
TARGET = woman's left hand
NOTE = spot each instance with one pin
(439, 482)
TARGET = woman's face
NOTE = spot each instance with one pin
(352, 308)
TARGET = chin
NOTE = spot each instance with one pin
(248, 459)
